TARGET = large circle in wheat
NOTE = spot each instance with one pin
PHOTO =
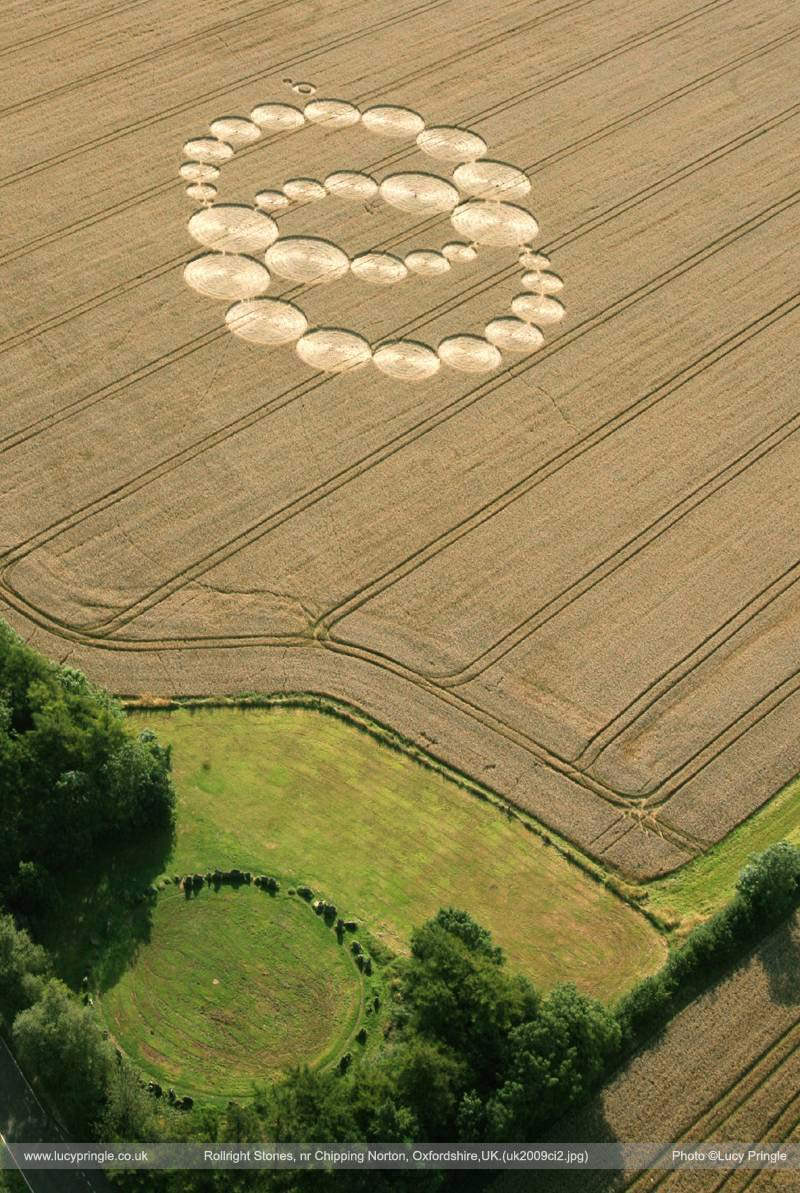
(232, 986)
(233, 228)
(497, 224)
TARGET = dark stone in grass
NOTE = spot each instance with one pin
(368, 966)
(329, 911)
(362, 1036)
(360, 961)
(171, 1095)
(236, 877)
(319, 907)
(246, 877)
(184, 1103)
(176, 878)
(351, 925)
(197, 881)
(155, 1089)
(376, 1002)
(345, 1062)
(356, 948)
(305, 892)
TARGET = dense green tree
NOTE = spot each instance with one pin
(554, 1060)
(24, 967)
(769, 884)
(129, 1112)
(72, 775)
(62, 1047)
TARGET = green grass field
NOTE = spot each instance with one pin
(702, 887)
(233, 986)
(311, 799)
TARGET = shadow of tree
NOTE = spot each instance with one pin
(781, 962)
(103, 917)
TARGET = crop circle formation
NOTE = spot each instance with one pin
(233, 986)
(483, 199)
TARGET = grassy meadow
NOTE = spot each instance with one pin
(309, 798)
(703, 886)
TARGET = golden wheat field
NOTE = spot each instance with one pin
(439, 356)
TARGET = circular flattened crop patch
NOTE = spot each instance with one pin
(232, 987)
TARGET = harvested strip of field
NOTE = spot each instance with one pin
(265, 788)
(573, 573)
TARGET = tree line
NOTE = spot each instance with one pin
(72, 775)
(473, 1052)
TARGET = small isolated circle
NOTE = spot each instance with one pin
(469, 354)
(538, 308)
(307, 259)
(277, 118)
(498, 224)
(387, 120)
(333, 350)
(230, 228)
(199, 172)
(272, 201)
(201, 192)
(406, 360)
(450, 144)
(351, 185)
(266, 321)
(381, 269)
(237, 131)
(333, 113)
(513, 335)
(542, 282)
(303, 88)
(491, 180)
(427, 262)
(225, 275)
(209, 150)
(304, 190)
(421, 194)
(459, 251)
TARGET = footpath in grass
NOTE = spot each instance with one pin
(705, 885)
(309, 798)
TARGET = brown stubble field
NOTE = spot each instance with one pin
(572, 577)
(726, 1069)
